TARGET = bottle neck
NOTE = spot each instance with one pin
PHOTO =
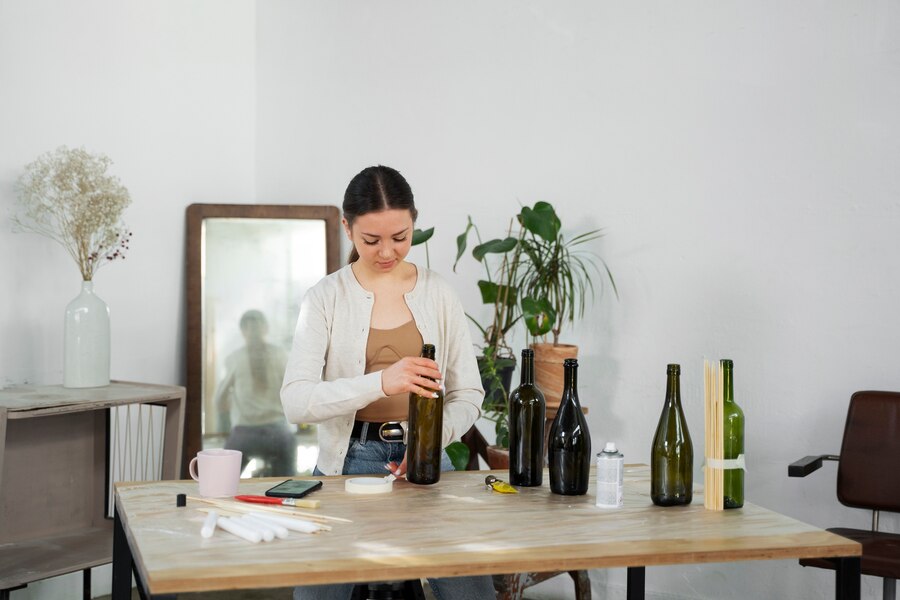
(527, 376)
(570, 382)
(673, 389)
(728, 385)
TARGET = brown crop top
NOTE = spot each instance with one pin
(383, 348)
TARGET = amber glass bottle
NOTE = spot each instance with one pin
(527, 413)
(426, 426)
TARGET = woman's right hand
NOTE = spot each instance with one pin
(411, 374)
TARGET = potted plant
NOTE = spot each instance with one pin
(544, 279)
(554, 284)
(502, 262)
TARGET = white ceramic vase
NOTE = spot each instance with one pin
(86, 359)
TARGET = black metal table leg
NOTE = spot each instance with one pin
(636, 583)
(122, 564)
(86, 585)
(123, 567)
(847, 576)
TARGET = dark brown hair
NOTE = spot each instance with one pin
(375, 189)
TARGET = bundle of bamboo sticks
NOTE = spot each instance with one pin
(714, 451)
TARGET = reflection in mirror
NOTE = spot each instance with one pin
(251, 273)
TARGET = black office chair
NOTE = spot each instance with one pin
(868, 477)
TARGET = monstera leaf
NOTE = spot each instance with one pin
(539, 315)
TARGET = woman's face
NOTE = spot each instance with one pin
(382, 238)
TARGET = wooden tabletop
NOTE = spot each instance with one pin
(455, 527)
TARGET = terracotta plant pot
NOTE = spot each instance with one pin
(497, 457)
(548, 369)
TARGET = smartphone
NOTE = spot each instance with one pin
(293, 488)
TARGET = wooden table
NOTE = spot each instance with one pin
(455, 527)
(54, 475)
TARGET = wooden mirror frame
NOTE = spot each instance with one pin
(195, 215)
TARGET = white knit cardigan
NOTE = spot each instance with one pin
(325, 380)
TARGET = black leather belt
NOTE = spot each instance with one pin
(390, 431)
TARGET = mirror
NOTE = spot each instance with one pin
(247, 269)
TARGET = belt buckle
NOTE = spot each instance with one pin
(391, 432)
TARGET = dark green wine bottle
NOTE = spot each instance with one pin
(672, 455)
(569, 447)
(733, 438)
(527, 414)
(426, 428)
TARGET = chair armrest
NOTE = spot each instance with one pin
(808, 464)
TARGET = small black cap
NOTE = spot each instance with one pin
(181, 500)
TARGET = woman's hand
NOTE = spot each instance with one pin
(397, 470)
(411, 374)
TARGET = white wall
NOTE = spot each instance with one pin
(742, 157)
(167, 90)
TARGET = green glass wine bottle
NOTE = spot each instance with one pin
(527, 414)
(672, 454)
(733, 438)
(569, 446)
(426, 427)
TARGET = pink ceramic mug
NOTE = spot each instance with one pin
(219, 472)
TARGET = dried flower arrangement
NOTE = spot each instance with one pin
(66, 195)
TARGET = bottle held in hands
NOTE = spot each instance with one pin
(426, 427)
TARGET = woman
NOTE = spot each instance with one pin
(355, 356)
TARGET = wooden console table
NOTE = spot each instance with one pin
(455, 527)
(54, 474)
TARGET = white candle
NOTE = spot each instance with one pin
(280, 531)
(289, 522)
(209, 525)
(267, 533)
(238, 529)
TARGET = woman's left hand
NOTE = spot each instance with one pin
(398, 470)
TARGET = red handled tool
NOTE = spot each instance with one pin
(297, 502)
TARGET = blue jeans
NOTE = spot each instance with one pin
(368, 457)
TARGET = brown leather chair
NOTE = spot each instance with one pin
(868, 477)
